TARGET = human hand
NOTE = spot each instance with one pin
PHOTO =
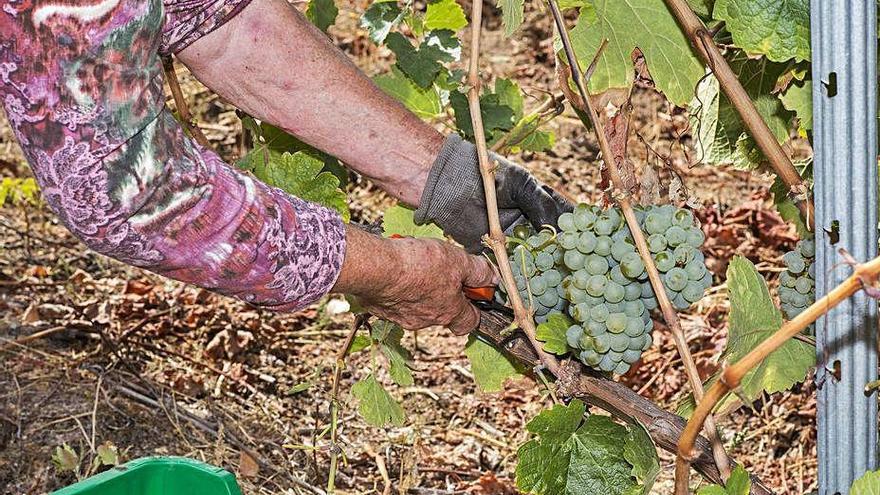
(415, 283)
(453, 197)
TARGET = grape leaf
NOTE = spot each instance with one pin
(569, 455)
(389, 335)
(753, 318)
(784, 205)
(299, 174)
(359, 343)
(779, 29)
(640, 451)
(421, 65)
(322, 13)
(376, 406)
(490, 367)
(445, 41)
(423, 102)
(702, 7)
(710, 141)
(269, 137)
(552, 333)
(868, 484)
(380, 18)
(65, 459)
(399, 220)
(739, 483)
(445, 14)
(496, 115)
(573, 4)
(799, 99)
(648, 25)
(511, 15)
(536, 141)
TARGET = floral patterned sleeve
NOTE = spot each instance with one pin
(81, 83)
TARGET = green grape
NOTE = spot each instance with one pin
(614, 215)
(664, 261)
(650, 303)
(633, 291)
(537, 285)
(535, 241)
(605, 225)
(683, 218)
(647, 290)
(636, 343)
(584, 218)
(520, 282)
(574, 260)
(616, 322)
(602, 343)
(684, 254)
(634, 327)
(599, 313)
(695, 237)
(619, 342)
(647, 341)
(695, 269)
(785, 294)
(596, 265)
(693, 292)
(614, 307)
(573, 335)
(553, 277)
(798, 300)
(568, 240)
(656, 222)
(631, 265)
(620, 249)
(596, 285)
(607, 364)
(596, 328)
(787, 279)
(680, 303)
(603, 245)
(615, 355)
(566, 222)
(579, 278)
(794, 261)
(656, 243)
(580, 312)
(590, 357)
(807, 247)
(617, 276)
(803, 284)
(594, 300)
(544, 261)
(586, 242)
(675, 236)
(575, 295)
(630, 356)
(522, 232)
(549, 298)
(634, 308)
(613, 292)
(649, 324)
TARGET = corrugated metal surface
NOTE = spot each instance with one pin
(844, 40)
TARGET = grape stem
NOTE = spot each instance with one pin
(180, 102)
(621, 195)
(864, 276)
(701, 39)
(496, 239)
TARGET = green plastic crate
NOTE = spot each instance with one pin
(158, 476)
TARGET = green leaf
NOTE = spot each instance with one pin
(799, 99)
(322, 13)
(421, 65)
(779, 29)
(299, 174)
(445, 41)
(510, 95)
(65, 459)
(739, 483)
(640, 451)
(380, 18)
(572, 4)
(754, 318)
(496, 116)
(537, 141)
(868, 484)
(360, 343)
(399, 220)
(423, 102)
(569, 456)
(648, 25)
(270, 138)
(784, 205)
(490, 367)
(107, 454)
(511, 15)
(702, 7)
(389, 335)
(445, 14)
(552, 333)
(376, 406)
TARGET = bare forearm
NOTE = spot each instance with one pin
(272, 63)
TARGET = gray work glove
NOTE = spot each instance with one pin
(453, 197)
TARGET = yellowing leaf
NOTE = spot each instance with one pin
(445, 14)
(65, 459)
(868, 484)
(398, 220)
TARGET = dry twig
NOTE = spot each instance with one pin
(180, 102)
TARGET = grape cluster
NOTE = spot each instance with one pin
(591, 271)
(537, 269)
(797, 284)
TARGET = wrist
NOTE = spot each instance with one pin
(370, 266)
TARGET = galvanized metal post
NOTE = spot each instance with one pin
(844, 47)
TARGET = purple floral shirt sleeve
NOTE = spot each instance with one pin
(81, 83)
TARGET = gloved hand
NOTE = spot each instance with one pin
(453, 197)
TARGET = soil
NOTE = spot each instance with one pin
(159, 368)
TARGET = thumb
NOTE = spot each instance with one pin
(478, 272)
